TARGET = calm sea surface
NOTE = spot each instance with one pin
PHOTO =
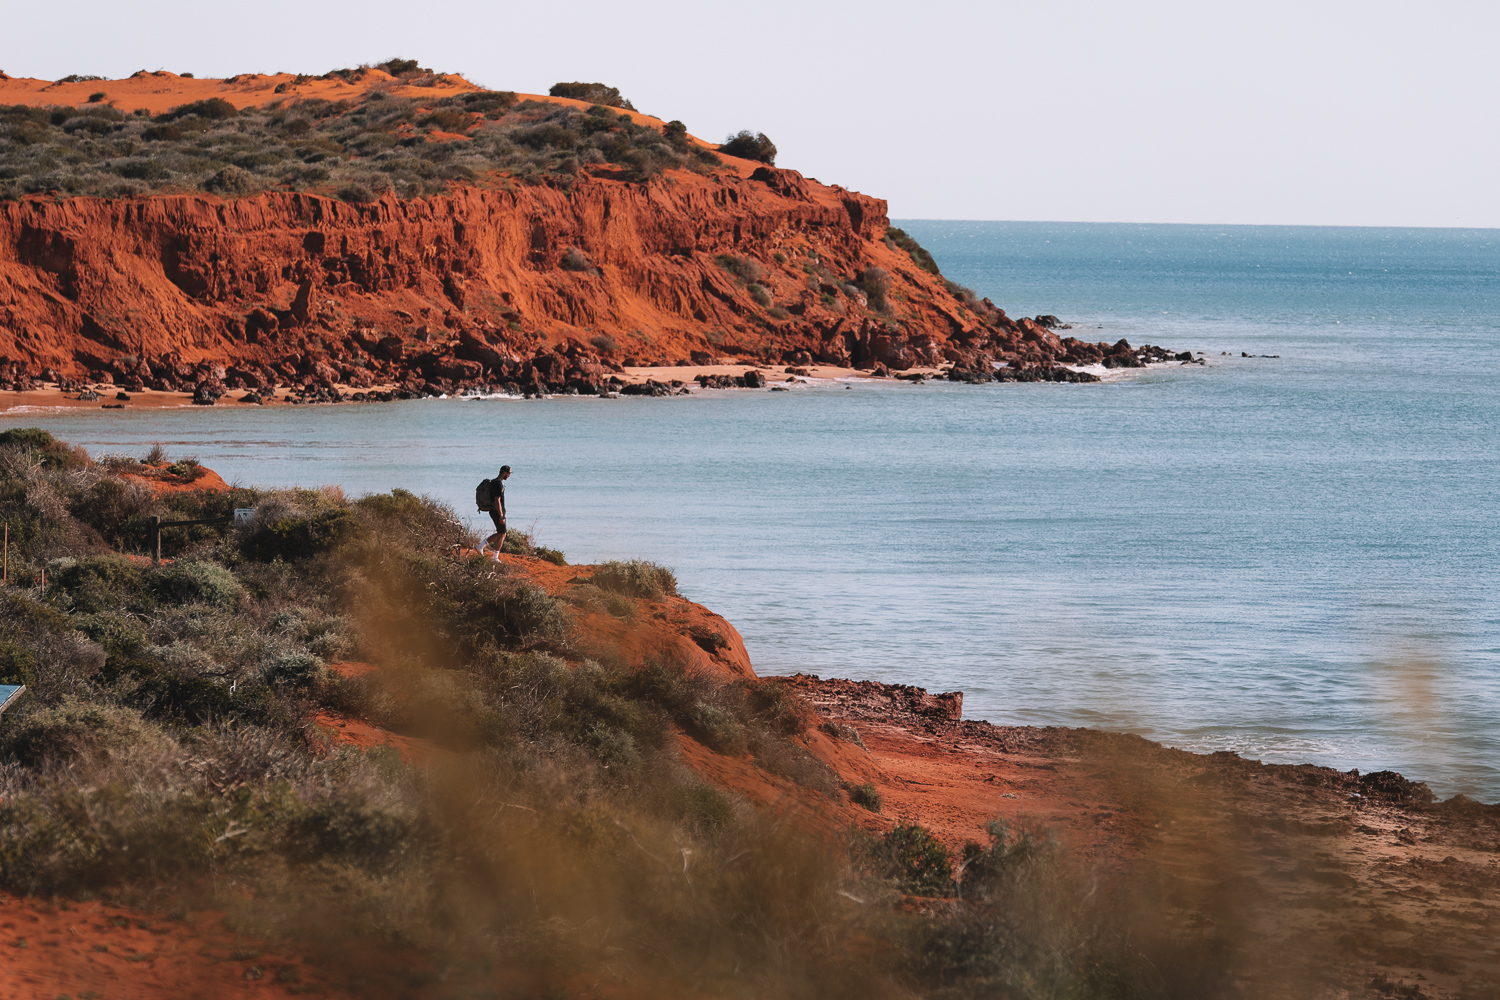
(1295, 558)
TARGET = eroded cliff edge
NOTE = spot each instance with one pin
(742, 261)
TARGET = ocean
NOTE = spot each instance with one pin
(1292, 555)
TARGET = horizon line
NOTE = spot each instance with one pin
(1205, 225)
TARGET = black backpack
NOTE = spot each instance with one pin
(484, 496)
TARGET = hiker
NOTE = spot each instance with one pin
(489, 496)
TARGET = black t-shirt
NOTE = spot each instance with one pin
(497, 489)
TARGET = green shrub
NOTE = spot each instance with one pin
(917, 860)
(777, 706)
(636, 578)
(750, 147)
(197, 582)
(707, 639)
(75, 732)
(404, 520)
(231, 182)
(575, 260)
(700, 805)
(594, 93)
(759, 294)
(743, 268)
(212, 109)
(118, 510)
(716, 727)
(52, 453)
(299, 537)
(17, 665)
(401, 67)
(901, 240)
(865, 795)
(298, 669)
(591, 598)
(988, 872)
(349, 827)
(102, 583)
(875, 282)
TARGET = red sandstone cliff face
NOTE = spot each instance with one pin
(543, 286)
(85, 282)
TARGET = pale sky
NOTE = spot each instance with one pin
(1368, 113)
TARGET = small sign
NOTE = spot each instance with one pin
(243, 515)
(9, 693)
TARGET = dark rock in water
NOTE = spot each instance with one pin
(1185, 356)
(753, 380)
(973, 376)
(1043, 373)
(1049, 322)
(650, 387)
(718, 382)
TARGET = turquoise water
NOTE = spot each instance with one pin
(1294, 558)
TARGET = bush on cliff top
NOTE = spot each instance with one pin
(636, 578)
(594, 93)
(750, 147)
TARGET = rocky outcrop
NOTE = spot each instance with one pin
(438, 294)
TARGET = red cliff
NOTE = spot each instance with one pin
(746, 262)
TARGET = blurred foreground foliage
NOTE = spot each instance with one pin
(170, 752)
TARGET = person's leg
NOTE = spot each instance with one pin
(496, 542)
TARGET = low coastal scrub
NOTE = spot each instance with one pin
(174, 750)
(899, 240)
(357, 150)
(636, 578)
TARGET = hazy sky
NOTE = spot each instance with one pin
(1366, 113)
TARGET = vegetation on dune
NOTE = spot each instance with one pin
(594, 93)
(359, 150)
(750, 146)
(168, 752)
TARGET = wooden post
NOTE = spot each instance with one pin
(155, 539)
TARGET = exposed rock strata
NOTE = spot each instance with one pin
(196, 294)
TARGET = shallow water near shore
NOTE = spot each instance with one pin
(1294, 557)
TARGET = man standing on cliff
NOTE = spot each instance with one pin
(496, 508)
